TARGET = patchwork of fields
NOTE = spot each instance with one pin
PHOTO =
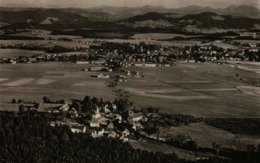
(207, 90)
(201, 90)
(58, 81)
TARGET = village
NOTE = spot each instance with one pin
(142, 54)
(119, 119)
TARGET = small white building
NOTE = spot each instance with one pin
(113, 134)
(110, 126)
(150, 65)
(126, 133)
(118, 117)
(138, 117)
(64, 107)
(82, 62)
(97, 134)
(78, 129)
(94, 124)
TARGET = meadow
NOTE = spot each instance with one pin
(201, 90)
(55, 80)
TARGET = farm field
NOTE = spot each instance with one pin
(226, 139)
(215, 89)
(57, 81)
(201, 90)
(156, 36)
(19, 52)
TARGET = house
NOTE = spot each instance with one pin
(138, 65)
(74, 127)
(102, 76)
(138, 117)
(113, 134)
(73, 113)
(97, 114)
(100, 62)
(82, 62)
(150, 65)
(118, 117)
(64, 108)
(137, 126)
(110, 126)
(103, 121)
(121, 78)
(94, 124)
(128, 73)
(97, 134)
(13, 61)
(94, 134)
(125, 135)
(78, 129)
(114, 107)
(97, 69)
(107, 110)
(137, 74)
(252, 45)
(32, 60)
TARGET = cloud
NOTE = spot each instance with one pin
(130, 3)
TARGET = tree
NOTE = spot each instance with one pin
(20, 101)
(216, 147)
(251, 148)
(65, 136)
(21, 108)
(3, 137)
(46, 99)
(76, 105)
(14, 101)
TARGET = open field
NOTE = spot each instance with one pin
(205, 135)
(207, 90)
(157, 147)
(156, 36)
(201, 90)
(19, 52)
(61, 81)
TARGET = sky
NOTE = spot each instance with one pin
(128, 3)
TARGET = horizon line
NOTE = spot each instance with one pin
(103, 6)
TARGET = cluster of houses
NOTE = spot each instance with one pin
(104, 121)
(144, 55)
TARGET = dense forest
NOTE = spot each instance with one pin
(28, 137)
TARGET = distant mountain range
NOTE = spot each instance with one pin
(146, 16)
(201, 20)
(125, 12)
(109, 13)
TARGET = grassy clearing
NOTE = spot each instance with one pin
(201, 90)
(205, 135)
(44, 81)
(19, 52)
(30, 82)
(19, 82)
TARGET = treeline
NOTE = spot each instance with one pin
(27, 138)
(244, 126)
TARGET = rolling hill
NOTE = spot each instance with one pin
(126, 18)
(201, 20)
(38, 18)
